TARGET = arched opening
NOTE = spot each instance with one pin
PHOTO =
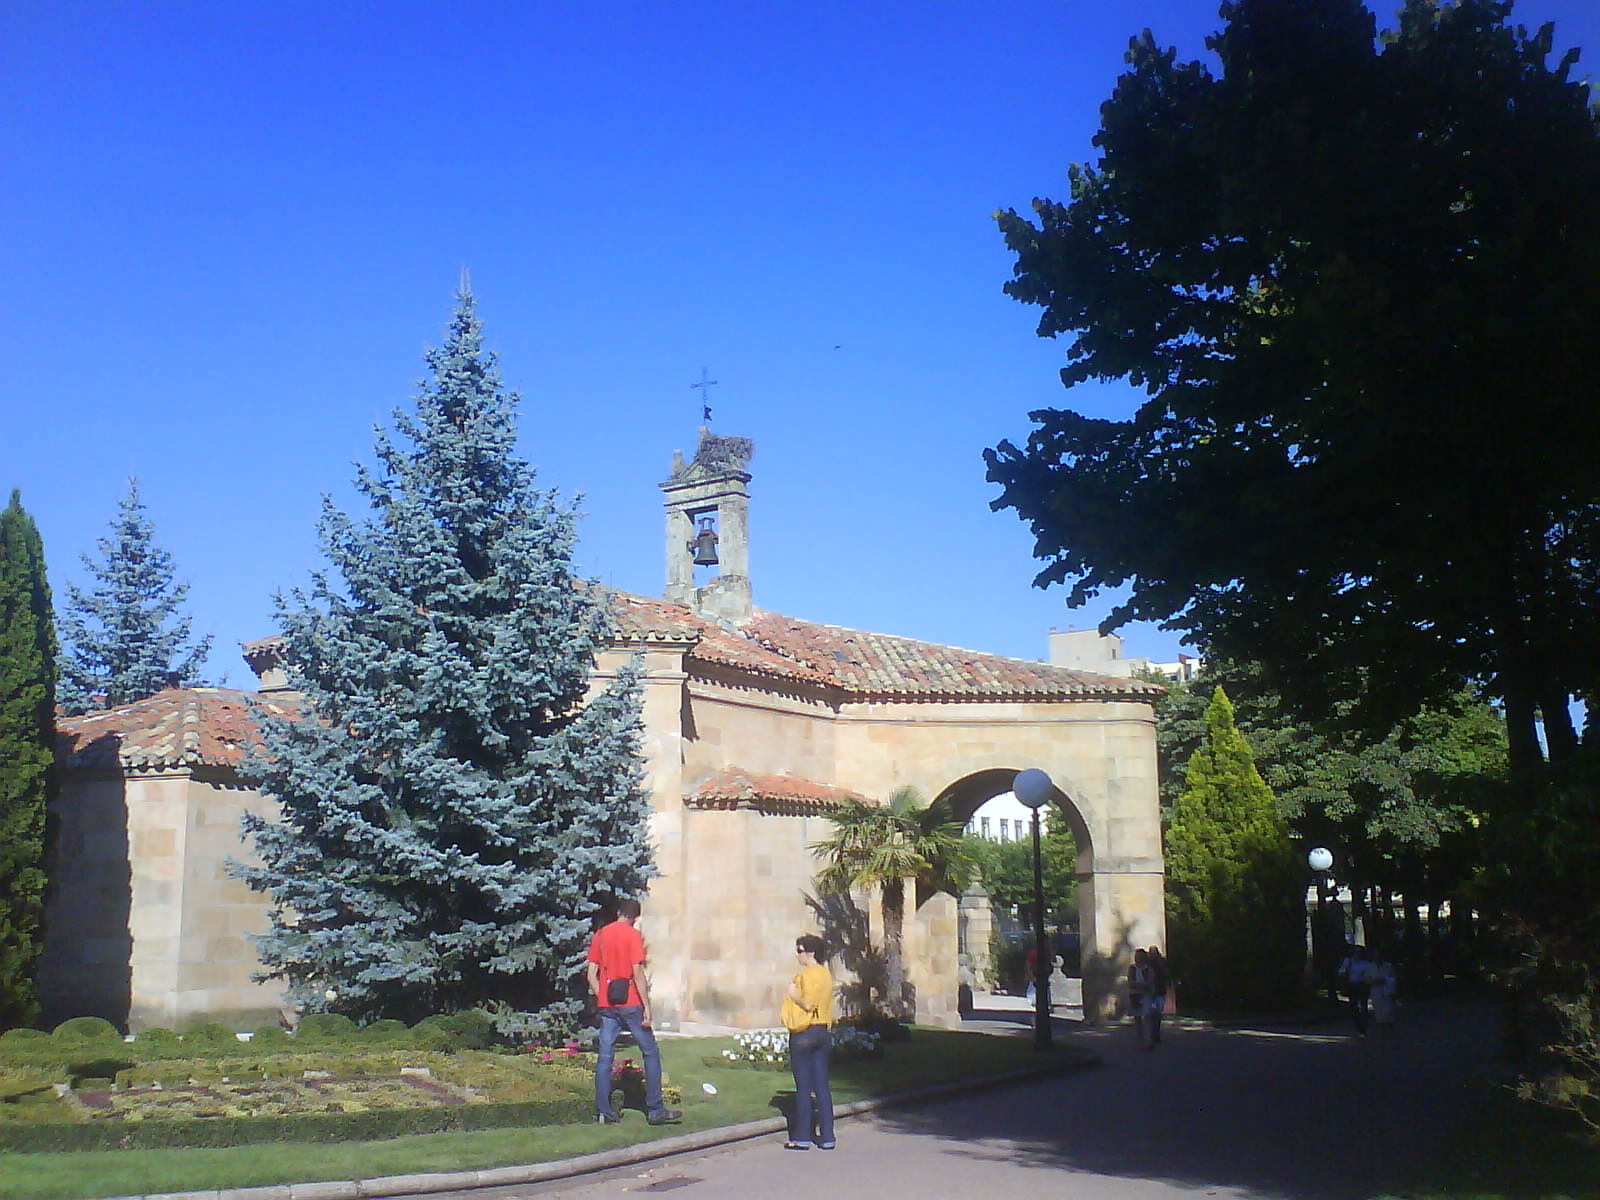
(995, 919)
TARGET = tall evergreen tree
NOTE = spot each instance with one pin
(1235, 896)
(27, 750)
(124, 637)
(455, 813)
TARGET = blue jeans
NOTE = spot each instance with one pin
(612, 1022)
(809, 1052)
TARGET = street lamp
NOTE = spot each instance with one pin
(1035, 789)
(1320, 860)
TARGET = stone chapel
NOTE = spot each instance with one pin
(755, 723)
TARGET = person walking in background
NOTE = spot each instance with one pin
(1160, 988)
(1385, 986)
(807, 1014)
(1140, 982)
(622, 994)
(1356, 971)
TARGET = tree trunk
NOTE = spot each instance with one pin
(1522, 737)
(894, 971)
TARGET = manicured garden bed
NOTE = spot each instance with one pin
(741, 1094)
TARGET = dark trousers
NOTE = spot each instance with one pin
(809, 1051)
(612, 1022)
(1358, 1005)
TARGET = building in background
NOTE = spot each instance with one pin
(1090, 650)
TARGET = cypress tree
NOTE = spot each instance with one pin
(124, 637)
(1235, 895)
(27, 756)
(456, 811)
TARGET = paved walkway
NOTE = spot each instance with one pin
(1291, 1112)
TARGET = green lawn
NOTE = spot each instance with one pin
(743, 1094)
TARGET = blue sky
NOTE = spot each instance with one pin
(231, 231)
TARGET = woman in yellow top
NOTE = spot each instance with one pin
(807, 1014)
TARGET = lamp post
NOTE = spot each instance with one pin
(1320, 860)
(1035, 789)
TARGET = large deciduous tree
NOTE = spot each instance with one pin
(458, 807)
(1358, 279)
(27, 756)
(1235, 894)
(124, 638)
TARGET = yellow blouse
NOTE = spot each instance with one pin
(815, 1006)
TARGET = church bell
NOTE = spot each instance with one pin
(704, 545)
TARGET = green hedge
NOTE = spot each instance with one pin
(213, 1132)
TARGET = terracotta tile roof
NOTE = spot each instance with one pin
(734, 787)
(176, 728)
(642, 619)
(852, 661)
(882, 664)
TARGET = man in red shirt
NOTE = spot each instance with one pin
(622, 993)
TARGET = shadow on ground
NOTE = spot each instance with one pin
(1304, 1111)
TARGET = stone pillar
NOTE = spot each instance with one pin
(976, 927)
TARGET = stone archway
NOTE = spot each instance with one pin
(1121, 901)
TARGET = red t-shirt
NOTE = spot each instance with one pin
(618, 948)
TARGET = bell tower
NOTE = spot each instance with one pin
(708, 524)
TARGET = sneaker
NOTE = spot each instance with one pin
(607, 1119)
(826, 1145)
(797, 1145)
(667, 1116)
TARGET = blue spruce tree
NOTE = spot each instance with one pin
(123, 639)
(452, 810)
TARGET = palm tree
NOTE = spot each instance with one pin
(884, 845)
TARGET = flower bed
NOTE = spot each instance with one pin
(768, 1049)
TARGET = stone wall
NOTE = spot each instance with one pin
(145, 926)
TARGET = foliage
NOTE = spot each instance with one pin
(1332, 263)
(1235, 916)
(123, 638)
(1387, 806)
(368, 1125)
(27, 756)
(86, 1029)
(471, 1029)
(1543, 896)
(1006, 870)
(885, 845)
(458, 810)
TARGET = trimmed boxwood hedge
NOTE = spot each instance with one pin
(214, 1132)
(86, 1029)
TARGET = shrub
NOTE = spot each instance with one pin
(17, 1037)
(371, 1125)
(95, 1073)
(86, 1029)
(155, 1036)
(386, 1031)
(326, 1027)
(209, 1033)
(270, 1035)
(469, 1030)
